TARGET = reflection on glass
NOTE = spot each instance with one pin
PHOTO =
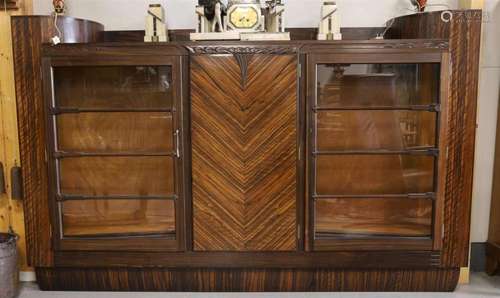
(374, 217)
(117, 176)
(115, 132)
(117, 217)
(375, 130)
(377, 84)
(103, 87)
(374, 174)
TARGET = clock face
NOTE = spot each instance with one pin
(244, 17)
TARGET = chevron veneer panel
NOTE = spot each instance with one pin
(244, 156)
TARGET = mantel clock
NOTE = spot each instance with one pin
(245, 16)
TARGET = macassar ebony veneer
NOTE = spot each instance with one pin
(493, 244)
(28, 35)
(256, 166)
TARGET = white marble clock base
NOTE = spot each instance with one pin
(233, 35)
(265, 36)
(228, 35)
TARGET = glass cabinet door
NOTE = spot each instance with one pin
(115, 156)
(374, 154)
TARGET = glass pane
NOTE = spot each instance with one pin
(390, 130)
(117, 217)
(377, 84)
(115, 132)
(376, 217)
(374, 174)
(113, 87)
(117, 176)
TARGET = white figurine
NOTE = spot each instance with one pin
(212, 22)
(156, 27)
(329, 27)
(218, 19)
(275, 19)
(211, 16)
(273, 22)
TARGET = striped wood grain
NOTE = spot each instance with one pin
(464, 34)
(244, 157)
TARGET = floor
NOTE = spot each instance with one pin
(481, 286)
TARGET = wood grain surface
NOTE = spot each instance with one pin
(493, 250)
(374, 174)
(28, 35)
(244, 186)
(244, 140)
(100, 218)
(376, 130)
(117, 176)
(238, 280)
(374, 217)
(149, 132)
(464, 35)
(11, 209)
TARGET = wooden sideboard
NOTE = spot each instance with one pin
(493, 244)
(253, 166)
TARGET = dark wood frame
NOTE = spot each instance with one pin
(463, 33)
(28, 35)
(435, 242)
(412, 256)
(493, 244)
(174, 242)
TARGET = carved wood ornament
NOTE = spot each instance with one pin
(243, 61)
(232, 50)
(242, 54)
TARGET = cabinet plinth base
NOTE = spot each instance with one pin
(234, 280)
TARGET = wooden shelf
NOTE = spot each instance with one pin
(63, 197)
(429, 108)
(57, 111)
(119, 228)
(111, 154)
(368, 217)
(430, 196)
(427, 152)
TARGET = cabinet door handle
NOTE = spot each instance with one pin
(2, 179)
(177, 143)
(16, 179)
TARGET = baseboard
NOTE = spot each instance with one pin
(27, 276)
(464, 276)
(246, 280)
(478, 257)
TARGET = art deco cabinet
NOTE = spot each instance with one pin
(275, 166)
(493, 244)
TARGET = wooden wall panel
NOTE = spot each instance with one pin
(464, 34)
(11, 211)
(28, 34)
(244, 156)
